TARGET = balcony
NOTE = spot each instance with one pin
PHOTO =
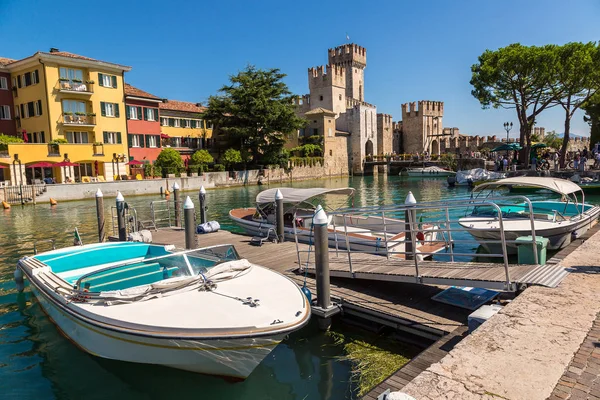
(78, 119)
(75, 86)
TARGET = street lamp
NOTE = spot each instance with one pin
(507, 127)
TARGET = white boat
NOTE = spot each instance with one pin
(473, 177)
(370, 233)
(204, 310)
(432, 172)
(560, 221)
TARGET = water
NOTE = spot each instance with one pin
(37, 362)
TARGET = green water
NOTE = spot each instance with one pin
(36, 362)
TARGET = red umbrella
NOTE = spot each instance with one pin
(42, 164)
(134, 162)
(25, 137)
(163, 136)
(66, 164)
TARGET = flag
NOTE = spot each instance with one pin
(76, 238)
(347, 37)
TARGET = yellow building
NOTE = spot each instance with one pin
(183, 128)
(67, 108)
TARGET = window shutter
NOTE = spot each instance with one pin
(140, 117)
(147, 140)
(22, 111)
(146, 110)
(19, 80)
(30, 109)
(39, 104)
(116, 110)
(100, 79)
(171, 122)
(27, 79)
(43, 137)
(103, 109)
(130, 141)
(114, 81)
(119, 138)
(158, 143)
(105, 136)
(128, 112)
(141, 137)
(193, 124)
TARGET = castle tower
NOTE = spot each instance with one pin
(326, 85)
(353, 59)
(422, 126)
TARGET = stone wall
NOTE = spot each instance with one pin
(384, 134)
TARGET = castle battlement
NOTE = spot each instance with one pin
(425, 108)
(350, 103)
(348, 54)
(325, 76)
(384, 118)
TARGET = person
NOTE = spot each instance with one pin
(556, 158)
(68, 180)
(597, 163)
(584, 153)
(576, 161)
(505, 163)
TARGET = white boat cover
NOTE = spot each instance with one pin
(297, 196)
(476, 175)
(433, 168)
(561, 186)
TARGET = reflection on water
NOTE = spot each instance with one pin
(37, 362)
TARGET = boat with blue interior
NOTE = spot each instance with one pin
(204, 310)
(560, 220)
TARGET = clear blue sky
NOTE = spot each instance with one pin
(415, 50)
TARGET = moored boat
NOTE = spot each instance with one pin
(560, 221)
(204, 310)
(431, 172)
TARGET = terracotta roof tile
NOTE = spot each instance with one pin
(176, 105)
(6, 61)
(75, 56)
(133, 91)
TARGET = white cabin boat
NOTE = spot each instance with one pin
(431, 172)
(560, 221)
(370, 233)
(201, 310)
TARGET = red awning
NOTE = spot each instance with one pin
(163, 136)
(42, 164)
(3, 166)
(66, 164)
(134, 162)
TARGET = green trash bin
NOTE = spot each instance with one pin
(525, 249)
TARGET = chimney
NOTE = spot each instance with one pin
(198, 104)
(54, 50)
(165, 100)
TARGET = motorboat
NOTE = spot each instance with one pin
(431, 172)
(560, 220)
(203, 310)
(368, 233)
(473, 177)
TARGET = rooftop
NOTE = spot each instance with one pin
(6, 61)
(177, 105)
(133, 91)
(54, 52)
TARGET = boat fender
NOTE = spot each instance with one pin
(19, 279)
(6, 205)
(307, 293)
(53, 202)
(421, 236)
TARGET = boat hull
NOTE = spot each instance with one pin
(233, 357)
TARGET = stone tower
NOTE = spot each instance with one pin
(422, 126)
(353, 59)
(327, 88)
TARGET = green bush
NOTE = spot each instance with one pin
(201, 157)
(170, 161)
(219, 168)
(7, 139)
(231, 157)
(59, 141)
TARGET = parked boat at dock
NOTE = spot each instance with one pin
(473, 177)
(431, 172)
(560, 221)
(374, 234)
(203, 310)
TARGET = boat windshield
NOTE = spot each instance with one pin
(152, 270)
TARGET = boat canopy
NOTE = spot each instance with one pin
(297, 196)
(561, 186)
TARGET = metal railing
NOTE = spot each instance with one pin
(163, 214)
(132, 223)
(416, 232)
(75, 119)
(22, 194)
(71, 85)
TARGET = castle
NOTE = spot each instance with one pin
(336, 109)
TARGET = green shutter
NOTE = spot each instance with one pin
(202, 123)
(142, 137)
(140, 117)
(100, 79)
(130, 141)
(146, 114)
(39, 104)
(147, 140)
(103, 109)
(119, 138)
(114, 81)
(171, 122)
(105, 137)
(156, 116)
(127, 113)
(193, 124)
(116, 110)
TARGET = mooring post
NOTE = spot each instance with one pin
(410, 215)
(322, 265)
(121, 217)
(189, 216)
(177, 205)
(279, 216)
(33, 193)
(202, 198)
(100, 214)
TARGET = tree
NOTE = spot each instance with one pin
(575, 79)
(592, 117)
(515, 77)
(256, 108)
(231, 157)
(169, 161)
(201, 158)
(552, 140)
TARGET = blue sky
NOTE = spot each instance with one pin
(186, 50)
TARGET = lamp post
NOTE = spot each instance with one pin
(507, 127)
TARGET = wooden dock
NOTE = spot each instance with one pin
(402, 306)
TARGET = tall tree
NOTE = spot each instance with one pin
(515, 77)
(257, 108)
(575, 79)
(592, 117)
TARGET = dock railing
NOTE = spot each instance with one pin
(422, 231)
(163, 213)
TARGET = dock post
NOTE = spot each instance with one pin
(177, 205)
(189, 215)
(121, 217)
(33, 193)
(279, 216)
(322, 265)
(100, 214)
(410, 217)
(202, 198)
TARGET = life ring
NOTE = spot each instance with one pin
(53, 202)
(6, 205)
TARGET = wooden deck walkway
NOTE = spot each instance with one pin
(420, 363)
(403, 306)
